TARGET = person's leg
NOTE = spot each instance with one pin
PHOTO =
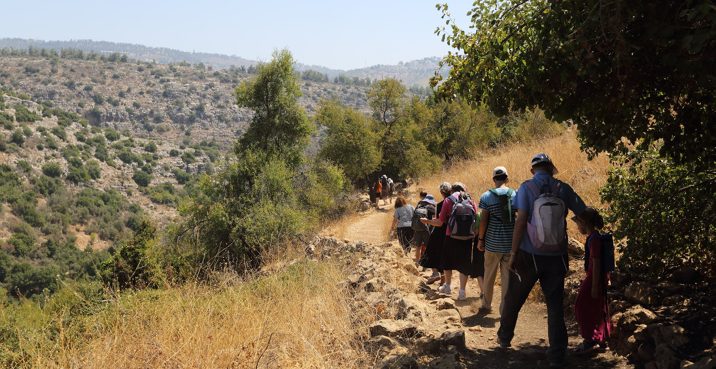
(552, 273)
(448, 277)
(491, 264)
(517, 291)
(503, 261)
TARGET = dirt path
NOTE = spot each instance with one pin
(530, 339)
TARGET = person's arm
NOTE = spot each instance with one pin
(484, 216)
(432, 222)
(393, 226)
(520, 228)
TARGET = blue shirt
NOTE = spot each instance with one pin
(498, 237)
(525, 199)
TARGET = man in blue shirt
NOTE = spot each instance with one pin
(529, 264)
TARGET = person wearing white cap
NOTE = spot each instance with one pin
(497, 222)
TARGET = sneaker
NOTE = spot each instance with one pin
(461, 295)
(445, 288)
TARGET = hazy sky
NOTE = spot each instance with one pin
(338, 34)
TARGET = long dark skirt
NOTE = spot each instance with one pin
(459, 255)
(433, 257)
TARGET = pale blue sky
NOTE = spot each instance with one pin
(338, 34)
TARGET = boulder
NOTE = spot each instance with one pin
(399, 358)
(374, 285)
(393, 328)
(575, 247)
(444, 303)
(641, 293)
(636, 314)
(410, 307)
(381, 344)
(434, 345)
(672, 335)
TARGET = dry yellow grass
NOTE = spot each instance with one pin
(298, 317)
(585, 176)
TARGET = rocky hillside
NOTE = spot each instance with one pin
(174, 102)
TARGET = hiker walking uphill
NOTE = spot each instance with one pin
(459, 213)
(403, 223)
(591, 308)
(497, 222)
(433, 251)
(539, 252)
(421, 232)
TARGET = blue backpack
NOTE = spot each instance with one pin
(608, 262)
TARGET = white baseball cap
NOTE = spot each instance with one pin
(499, 171)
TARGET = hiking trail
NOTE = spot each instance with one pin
(480, 329)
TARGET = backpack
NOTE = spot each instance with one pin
(422, 211)
(547, 226)
(608, 260)
(507, 212)
(384, 182)
(463, 218)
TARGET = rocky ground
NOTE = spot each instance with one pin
(415, 327)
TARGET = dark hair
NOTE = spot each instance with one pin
(423, 194)
(501, 177)
(400, 202)
(591, 217)
(458, 187)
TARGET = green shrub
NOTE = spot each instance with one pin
(52, 169)
(18, 137)
(59, 132)
(24, 115)
(142, 178)
(28, 280)
(181, 176)
(151, 147)
(174, 153)
(163, 194)
(111, 134)
(132, 264)
(665, 211)
(93, 169)
(6, 120)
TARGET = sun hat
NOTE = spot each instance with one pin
(542, 158)
(499, 171)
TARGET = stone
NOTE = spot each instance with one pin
(575, 247)
(636, 314)
(434, 345)
(382, 344)
(399, 358)
(393, 328)
(704, 363)
(672, 335)
(411, 308)
(410, 267)
(449, 316)
(641, 293)
(444, 303)
(374, 285)
(645, 352)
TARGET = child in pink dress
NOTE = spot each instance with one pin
(591, 309)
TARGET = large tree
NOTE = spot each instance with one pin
(641, 70)
(279, 126)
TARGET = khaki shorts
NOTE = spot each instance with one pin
(421, 238)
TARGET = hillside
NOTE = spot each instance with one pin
(176, 102)
(411, 73)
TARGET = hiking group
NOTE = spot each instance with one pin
(523, 234)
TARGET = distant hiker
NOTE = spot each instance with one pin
(402, 223)
(459, 213)
(372, 195)
(378, 188)
(539, 252)
(421, 232)
(497, 221)
(432, 257)
(391, 189)
(384, 189)
(591, 309)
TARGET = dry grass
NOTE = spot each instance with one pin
(585, 176)
(298, 317)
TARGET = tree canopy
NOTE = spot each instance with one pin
(640, 70)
